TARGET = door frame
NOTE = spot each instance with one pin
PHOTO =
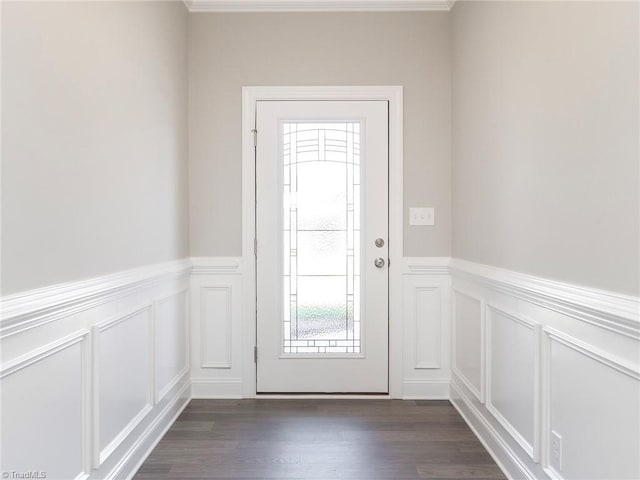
(251, 95)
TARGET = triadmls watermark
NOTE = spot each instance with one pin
(30, 474)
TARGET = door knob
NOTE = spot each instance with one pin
(379, 242)
(379, 262)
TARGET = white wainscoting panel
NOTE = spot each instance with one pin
(171, 347)
(426, 308)
(122, 378)
(594, 405)
(216, 328)
(216, 325)
(44, 427)
(468, 340)
(513, 375)
(562, 362)
(79, 365)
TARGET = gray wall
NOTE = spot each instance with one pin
(228, 51)
(545, 129)
(94, 139)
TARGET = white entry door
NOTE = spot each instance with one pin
(322, 246)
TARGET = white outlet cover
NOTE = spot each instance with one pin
(422, 216)
(555, 455)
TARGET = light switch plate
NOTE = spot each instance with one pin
(422, 216)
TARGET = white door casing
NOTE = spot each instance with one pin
(322, 201)
(391, 94)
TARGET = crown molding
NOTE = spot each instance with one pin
(219, 6)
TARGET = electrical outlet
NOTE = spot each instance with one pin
(422, 216)
(556, 451)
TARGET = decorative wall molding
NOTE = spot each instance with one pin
(425, 265)
(478, 391)
(216, 265)
(33, 308)
(138, 452)
(498, 448)
(100, 452)
(615, 312)
(207, 321)
(600, 326)
(41, 353)
(533, 447)
(216, 388)
(161, 391)
(425, 389)
(605, 358)
(42, 325)
(196, 6)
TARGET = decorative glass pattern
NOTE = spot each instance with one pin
(321, 201)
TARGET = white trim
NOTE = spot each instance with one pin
(391, 94)
(216, 265)
(532, 449)
(592, 352)
(147, 437)
(81, 337)
(416, 328)
(613, 311)
(479, 393)
(426, 265)
(426, 389)
(32, 308)
(318, 5)
(160, 394)
(23, 361)
(101, 455)
(217, 388)
(551, 335)
(501, 452)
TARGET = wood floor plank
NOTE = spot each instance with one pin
(319, 439)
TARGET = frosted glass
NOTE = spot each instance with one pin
(322, 307)
(322, 253)
(321, 237)
(321, 196)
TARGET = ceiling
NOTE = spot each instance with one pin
(318, 5)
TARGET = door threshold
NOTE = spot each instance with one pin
(326, 396)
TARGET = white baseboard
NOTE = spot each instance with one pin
(436, 389)
(216, 388)
(508, 462)
(142, 448)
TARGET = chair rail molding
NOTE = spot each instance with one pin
(612, 311)
(33, 308)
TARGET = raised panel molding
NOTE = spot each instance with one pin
(215, 321)
(426, 311)
(477, 390)
(318, 5)
(532, 447)
(53, 333)
(144, 313)
(40, 356)
(160, 391)
(525, 317)
(25, 310)
(617, 367)
(427, 328)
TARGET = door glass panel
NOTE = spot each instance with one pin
(321, 237)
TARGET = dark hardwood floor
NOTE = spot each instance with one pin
(319, 439)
